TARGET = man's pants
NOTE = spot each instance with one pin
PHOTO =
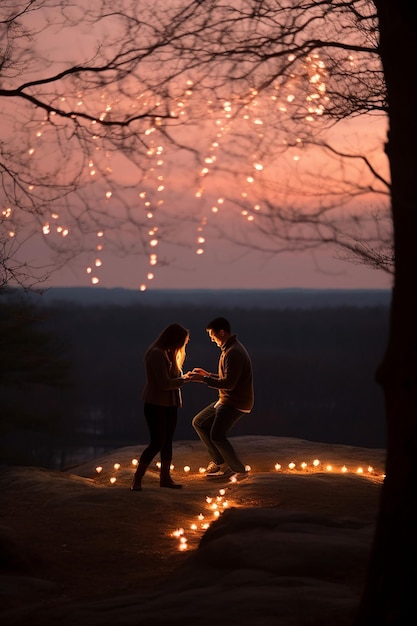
(212, 425)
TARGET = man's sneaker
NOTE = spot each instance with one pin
(212, 468)
(221, 474)
(237, 477)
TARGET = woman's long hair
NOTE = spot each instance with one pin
(172, 340)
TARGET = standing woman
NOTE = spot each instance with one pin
(162, 397)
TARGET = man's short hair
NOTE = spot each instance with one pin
(218, 324)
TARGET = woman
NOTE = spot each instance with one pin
(162, 396)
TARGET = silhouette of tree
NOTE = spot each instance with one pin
(34, 364)
(148, 81)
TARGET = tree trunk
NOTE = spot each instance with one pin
(388, 596)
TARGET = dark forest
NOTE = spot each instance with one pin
(314, 375)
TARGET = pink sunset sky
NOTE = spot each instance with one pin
(247, 146)
(222, 268)
(224, 264)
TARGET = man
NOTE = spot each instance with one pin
(234, 382)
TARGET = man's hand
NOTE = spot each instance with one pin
(196, 377)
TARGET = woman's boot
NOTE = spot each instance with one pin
(165, 479)
(137, 478)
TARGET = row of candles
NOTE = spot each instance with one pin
(217, 504)
(317, 465)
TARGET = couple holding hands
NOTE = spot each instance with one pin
(164, 360)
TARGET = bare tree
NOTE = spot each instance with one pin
(146, 80)
(311, 65)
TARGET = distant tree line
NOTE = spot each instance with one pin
(313, 376)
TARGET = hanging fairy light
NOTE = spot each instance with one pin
(306, 90)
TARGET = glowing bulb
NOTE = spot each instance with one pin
(99, 469)
(116, 466)
(112, 480)
(277, 466)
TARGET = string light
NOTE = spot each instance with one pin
(305, 89)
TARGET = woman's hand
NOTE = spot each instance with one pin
(199, 370)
